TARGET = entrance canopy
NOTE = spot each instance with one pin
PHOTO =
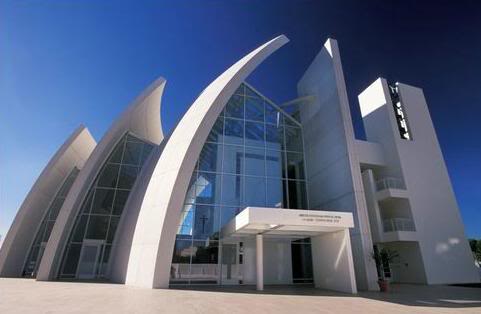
(332, 263)
(292, 223)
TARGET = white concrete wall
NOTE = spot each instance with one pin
(439, 229)
(73, 153)
(408, 267)
(332, 262)
(277, 261)
(333, 171)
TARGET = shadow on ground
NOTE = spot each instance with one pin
(409, 295)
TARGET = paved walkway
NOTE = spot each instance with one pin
(29, 296)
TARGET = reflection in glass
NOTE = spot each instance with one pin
(246, 160)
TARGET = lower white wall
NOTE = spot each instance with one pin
(277, 262)
(332, 262)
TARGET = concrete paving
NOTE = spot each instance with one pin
(30, 296)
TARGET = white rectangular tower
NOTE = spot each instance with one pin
(411, 204)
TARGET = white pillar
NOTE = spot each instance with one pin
(260, 262)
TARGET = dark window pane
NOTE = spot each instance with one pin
(254, 134)
(114, 221)
(231, 190)
(297, 195)
(71, 260)
(146, 153)
(210, 157)
(208, 188)
(119, 202)
(205, 267)
(233, 159)
(255, 191)
(293, 139)
(254, 161)
(55, 208)
(206, 223)
(132, 153)
(217, 131)
(250, 92)
(78, 234)
(234, 132)
(127, 177)
(103, 200)
(255, 109)
(88, 202)
(108, 176)
(274, 137)
(48, 230)
(116, 155)
(235, 107)
(274, 163)
(97, 227)
(295, 166)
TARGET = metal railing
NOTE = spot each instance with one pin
(390, 183)
(398, 224)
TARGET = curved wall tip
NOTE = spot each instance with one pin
(153, 243)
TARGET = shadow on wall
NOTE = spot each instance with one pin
(409, 295)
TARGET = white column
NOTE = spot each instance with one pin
(260, 262)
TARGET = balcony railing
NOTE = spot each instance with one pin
(398, 224)
(390, 183)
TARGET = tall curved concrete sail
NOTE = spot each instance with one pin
(140, 123)
(18, 242)
(153, 242)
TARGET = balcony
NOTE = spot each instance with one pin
(390, 183)
(390, 187)
(398, 224)
(398, 229)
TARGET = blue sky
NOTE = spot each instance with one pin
(63, 63)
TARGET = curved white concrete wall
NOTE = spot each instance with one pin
(153, 242)
(73, 153)
(142, 118)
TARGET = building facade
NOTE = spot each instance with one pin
(245, 191)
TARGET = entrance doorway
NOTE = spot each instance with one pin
(89, 255)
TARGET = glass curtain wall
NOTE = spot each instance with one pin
(43, 232)
(253, 156)
(87, 253)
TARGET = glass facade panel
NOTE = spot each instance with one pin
(255, 134)
(234, 132)
(254, 109)
(102, 208)
(246, 161)
(45, 229)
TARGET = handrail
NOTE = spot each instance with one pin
(390, 183)
(398, 224)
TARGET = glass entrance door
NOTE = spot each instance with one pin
(89, 256)
(231, 263)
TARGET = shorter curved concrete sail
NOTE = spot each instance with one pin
(153, 242)
(18, 242)
(139, 122)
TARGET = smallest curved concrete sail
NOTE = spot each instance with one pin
(142, 120)
(18, 241)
